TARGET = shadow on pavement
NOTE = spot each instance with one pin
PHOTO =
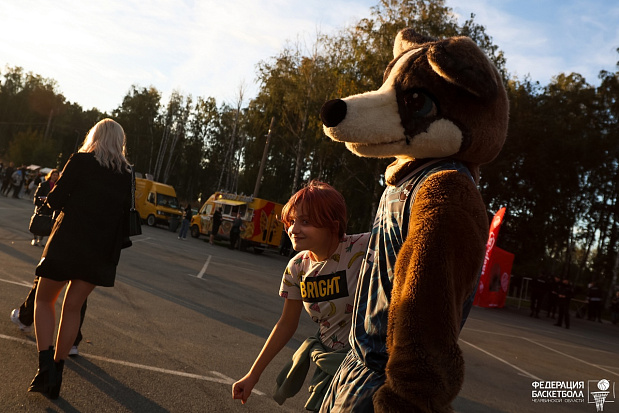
(123, 395)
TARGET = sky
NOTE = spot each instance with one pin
(96, 51)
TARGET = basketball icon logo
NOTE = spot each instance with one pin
(603, 384)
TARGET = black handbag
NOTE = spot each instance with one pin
(40, 224)
(135, 222)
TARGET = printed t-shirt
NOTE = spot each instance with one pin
(327, 288)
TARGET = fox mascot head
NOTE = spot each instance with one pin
(439, 98)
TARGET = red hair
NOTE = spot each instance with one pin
(324, 205)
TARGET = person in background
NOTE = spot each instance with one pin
(34, 182)
(82, 252)
(182, 234)
(564, 295)
(552, 297)
(594, 302)
(38, 179)
(23, 317)
(17, 183)
(40, 196)
(539, 287)
(6, 180)
(235, 232)
(216, 225)
(315, 218)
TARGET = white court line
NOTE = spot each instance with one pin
(220, 378)
(203, 270)
(572, 357)
(575, 346)
(21, 283)
(526, 373)
(236, 266)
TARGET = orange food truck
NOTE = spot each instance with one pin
(262, 229)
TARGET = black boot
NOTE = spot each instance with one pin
(54, 388)
(46, 371)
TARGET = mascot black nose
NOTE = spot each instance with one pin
(333, 112)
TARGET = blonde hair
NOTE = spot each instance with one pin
(108, 142)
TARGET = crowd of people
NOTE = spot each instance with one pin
(555, 296)
(20, 181)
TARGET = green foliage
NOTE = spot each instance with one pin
(139, 114)
(29, 147)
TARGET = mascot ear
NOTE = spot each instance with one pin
(408, 39)
(461, 62)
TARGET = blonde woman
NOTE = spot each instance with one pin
(93, 196)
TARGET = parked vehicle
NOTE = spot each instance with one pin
(156, 202)
(262, 228)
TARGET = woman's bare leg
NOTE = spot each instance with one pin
(45, 311)
(74, 298)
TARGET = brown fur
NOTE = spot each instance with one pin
(435, 272)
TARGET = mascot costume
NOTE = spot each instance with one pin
(441, 112)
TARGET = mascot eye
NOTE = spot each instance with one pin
(418, 104)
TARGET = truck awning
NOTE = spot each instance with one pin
(230, 202)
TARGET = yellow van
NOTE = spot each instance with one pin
(260, 220)
(156, 202)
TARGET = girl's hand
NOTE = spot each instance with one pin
(242, 388)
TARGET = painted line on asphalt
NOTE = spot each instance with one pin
(141, 239)
(220, 378)
(203, 270)
(534, 330)
(526, 373)
(21, 283)
(572, 357)
(246, 269)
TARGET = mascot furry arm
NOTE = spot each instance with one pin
(439, 99)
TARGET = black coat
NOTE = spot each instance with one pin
(86, 240)
(42, 190)
(216, 221)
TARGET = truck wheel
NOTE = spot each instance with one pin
(151, 220)
(195, 231)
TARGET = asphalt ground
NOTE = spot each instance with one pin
(186, 319)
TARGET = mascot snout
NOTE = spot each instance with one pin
(333, 112)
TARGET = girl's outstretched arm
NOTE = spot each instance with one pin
(282, 332)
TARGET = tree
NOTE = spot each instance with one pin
(29, 147)
(175, 122)
(27, 101)
(293, 90)
(140, 118)
(194, 166)
(229, 174)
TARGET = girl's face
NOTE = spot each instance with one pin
(305, 236)
(54, 177)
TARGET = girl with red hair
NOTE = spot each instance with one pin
(322, 279)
